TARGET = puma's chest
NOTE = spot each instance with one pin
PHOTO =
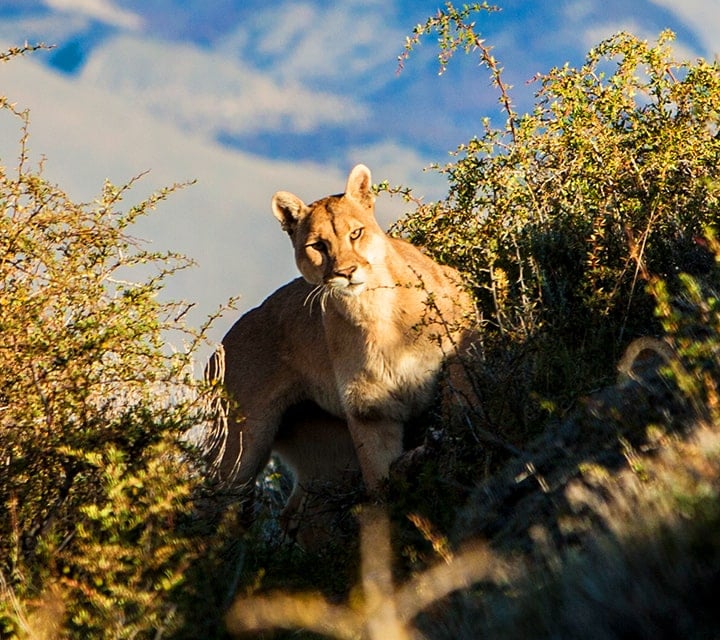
(387, 381)
(384, 357)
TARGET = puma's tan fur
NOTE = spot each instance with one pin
(362, 335)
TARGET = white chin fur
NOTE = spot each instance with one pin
(345, 288)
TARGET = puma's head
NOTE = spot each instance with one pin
(337, 240)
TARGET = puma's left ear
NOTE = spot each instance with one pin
(288, 209)
(359, 185)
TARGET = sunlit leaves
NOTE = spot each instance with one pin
(93, 407)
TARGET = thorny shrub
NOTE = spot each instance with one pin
(96, 477)
(561, 217)
(581, 226)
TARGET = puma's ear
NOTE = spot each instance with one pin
(359, 185)
(288, 209)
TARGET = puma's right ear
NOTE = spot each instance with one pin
(288, 209)
(359, 185)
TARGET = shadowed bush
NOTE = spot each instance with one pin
(97, 480)
(562, 216)
(580, 226)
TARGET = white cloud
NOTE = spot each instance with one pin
(103, 10)
(577, 11)
(290, 25)
(52, 29)
(596, 33)
(702, 16)
(342, 42)
(223, 222)
(209, 93)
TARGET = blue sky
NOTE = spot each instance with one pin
(250, 97)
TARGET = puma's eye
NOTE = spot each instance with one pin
(354, 235)
(319, 246)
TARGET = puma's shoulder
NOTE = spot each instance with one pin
(259, 325)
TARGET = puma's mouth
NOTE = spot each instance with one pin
(354, 288)
(343, 286)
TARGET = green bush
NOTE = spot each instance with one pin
(97, 478)
(691, 320)
(562, 216)
(579, 226)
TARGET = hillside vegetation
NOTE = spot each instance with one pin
(582, 500)
(97, 485)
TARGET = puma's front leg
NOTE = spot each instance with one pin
(378, 444)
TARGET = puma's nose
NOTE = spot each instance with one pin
(346, 272)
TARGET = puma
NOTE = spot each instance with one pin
(330, 367)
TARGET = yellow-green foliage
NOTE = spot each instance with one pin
(95, 479)
(691, 319)
(562, 216)
(610, 178)
(580, 226)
